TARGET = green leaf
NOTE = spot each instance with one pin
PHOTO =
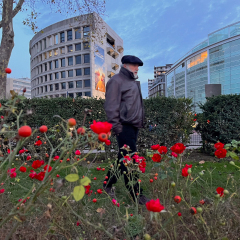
(85, 181)
(233, 155)
(78, 193)
(72, 177)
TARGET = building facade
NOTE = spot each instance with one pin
(214, 61)
(74, 58)
(18, 84)
(156, 86)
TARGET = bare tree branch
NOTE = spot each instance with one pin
(15, 10)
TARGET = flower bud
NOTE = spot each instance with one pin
(226, 192)
(199, 209)
(189, 171)
(201, 173)
(147, 236)
(173, 184)
(124, 172)
(232, 163)
(217, 196)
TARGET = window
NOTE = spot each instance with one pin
(79, 94)
(63, 95)
(40, 68)
(63, 85)
(57, 95)
(62, 37)
(87, 83)
(62, 50)
(45, 55)
(86, 58)
(70, 61)
(70, 84)
(110, 40)
(50, 53)
(70, 48)
(71, 95)
(45, 88)
(45, 66)
(45, 78)
(77, 33)
(56, 75)
(69, 35)
(41, 89)
(86, 31)
(63, 75)
(50, 65)
(44, 43)
(79, 72)
(63, 62)
(56, 63)
(70, 73)
(79, 84)
(51, 87)
(78, 47)
(78, 59)
(50, 41)
(56, 39)
(50, 76)
(86, 71)
(86, 45)
(56, 86)
(41, 79)
(55, 52)
(88, 94)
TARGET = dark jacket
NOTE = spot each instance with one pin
(124, 102)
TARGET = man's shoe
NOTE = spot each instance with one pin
(143, 200)
(110, 191)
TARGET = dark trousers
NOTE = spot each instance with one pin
(128, 136)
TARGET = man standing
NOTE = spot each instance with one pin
(124, 109)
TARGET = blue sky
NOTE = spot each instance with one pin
(158, 32)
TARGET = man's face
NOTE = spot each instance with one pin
(133, 68)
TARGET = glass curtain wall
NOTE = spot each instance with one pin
(170, 84)
(180, 81)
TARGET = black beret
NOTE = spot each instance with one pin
(132, 60)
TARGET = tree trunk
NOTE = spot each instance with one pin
(7, 43)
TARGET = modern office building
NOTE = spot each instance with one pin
(156, 86)
(18, 84)
(214, 61)
(74, 57)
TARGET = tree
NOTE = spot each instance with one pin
(10, 8)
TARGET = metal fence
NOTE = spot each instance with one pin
(195, 140)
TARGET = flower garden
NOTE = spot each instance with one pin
(52, 188)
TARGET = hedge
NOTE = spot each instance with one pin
(219, 120)
(173, 117)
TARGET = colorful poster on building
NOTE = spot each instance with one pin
(99, 69)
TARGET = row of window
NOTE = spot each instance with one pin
(56, 75)
(72, 95)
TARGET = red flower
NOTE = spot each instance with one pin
(219, 145)
(151, 180)
(2, 117)
(156, 157)
(42, 162)
(177, 199)
(142, 164)
(142, 169)
(43, 128)
(220, 191)
(2, 191)
(36, 164)
(114, 201)
(178, 148)
(154, 206)
(12, 172)
(155, 147)
(40, 176)
(78, 223)
(77, 152)
(99, 169)
(87, 189)
(127, 159)
(193, 210)
(195, 120)
(108, 142)
(201, 202)
(185, 170)
(94, 200)
(38, 143)
(8, 151)
(99, 191)
(174, 154)
(162, 150)
(56, 158)
(22, 169)
(101, 127)
(28, 158)
(21, 151)
(57, 175)
(221, 153)
(94, 178)
(49, 168)
(179, 214)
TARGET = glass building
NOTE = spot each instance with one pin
(214, 61)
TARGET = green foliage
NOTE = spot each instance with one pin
(219, 120)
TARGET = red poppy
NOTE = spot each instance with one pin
(49, 168)
(2, 190)
(94, 200)
(202, 202)
(177, 199)
(87, 189)
(221, 153)
(22, 169)
(99, 191)
(32, 174)
(40, 176)
(108, 142)
(142, 169)
(185, 170)
(36, 164)
(8, 151)
(178, 148)
(179, 214)
(21, 151)
(154, 206)
(155, 147)
(142, 164)
(219, 145)
(220, 191)
(77, 152)
(156, 157)
(101, 127)
(174, 154)
(193, 210)
(28, 158)
(162, 149)
(99, 169)
(56, 158)
(38, 143)
(12, 172)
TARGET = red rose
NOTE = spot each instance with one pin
(219, 145)
(162, 150)
(101, 127)
(221, 153)
(22, 169)
(142, 164)
(154, 206)
(155, 147)
(156, 157)
(40, 176)
(220, 191)
(178, 148)
(49, 168)
(36, 164)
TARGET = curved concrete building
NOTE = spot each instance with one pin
(214, 61)
(72, 58)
